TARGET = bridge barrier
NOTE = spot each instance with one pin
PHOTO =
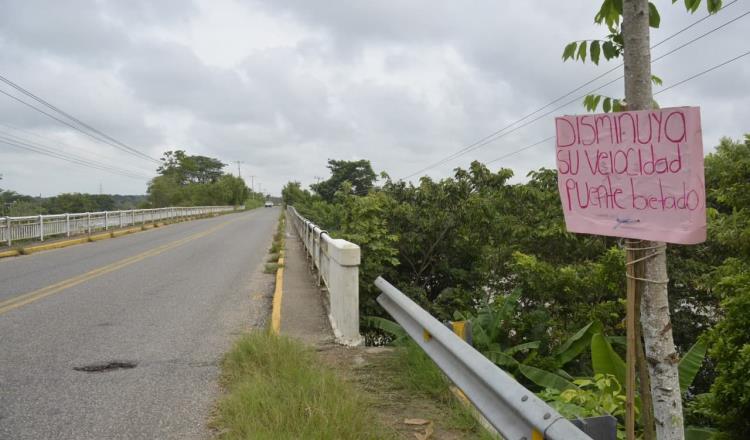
(43, 226)
(515, 412)
(336, 263)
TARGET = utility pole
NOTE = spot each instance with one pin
(239, 170)
(252, 186)
(647, 260)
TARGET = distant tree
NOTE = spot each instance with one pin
(293, 194)
(187, 169)
(358, 173)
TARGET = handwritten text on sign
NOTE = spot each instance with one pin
(633, 174)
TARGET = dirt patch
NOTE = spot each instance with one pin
(373, 371)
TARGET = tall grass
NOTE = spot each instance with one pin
(277, 389)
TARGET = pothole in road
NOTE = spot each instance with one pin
(106, 366)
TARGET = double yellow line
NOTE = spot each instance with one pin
(27, 298)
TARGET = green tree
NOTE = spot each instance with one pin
(728, 186)
(358, 173)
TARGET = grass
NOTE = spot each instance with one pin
(278, 389)
(417, 373)
(271, 268)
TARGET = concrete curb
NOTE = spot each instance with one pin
(278, 293)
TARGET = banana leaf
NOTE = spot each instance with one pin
(691, 363)
(577, 343)
(605, 360)
(545, 379)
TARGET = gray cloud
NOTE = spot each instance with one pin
(289, 84)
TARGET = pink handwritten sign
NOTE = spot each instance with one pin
(633, 174)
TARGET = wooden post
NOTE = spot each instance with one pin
(630, 320)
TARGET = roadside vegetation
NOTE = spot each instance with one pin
(276, 388)
(548, 305)
(277, 247)
(182, 180)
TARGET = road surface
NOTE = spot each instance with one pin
(166, 302)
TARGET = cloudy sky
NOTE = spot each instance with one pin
(285, 85)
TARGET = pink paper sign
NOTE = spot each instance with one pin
(633, 174)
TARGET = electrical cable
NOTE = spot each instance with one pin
(101, 137)
(499, 133)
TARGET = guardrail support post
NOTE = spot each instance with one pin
(106, 218)
(41, 227)
(8, 222)
(88, 223)
(67, 225)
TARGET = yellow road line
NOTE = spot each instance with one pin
(277, 294)
(21, 300)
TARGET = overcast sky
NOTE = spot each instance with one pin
(285, 85)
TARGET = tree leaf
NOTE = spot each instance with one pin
(522, 347)
(653, 16)
(607, 105)
(569, 51)
(595, 102)
(616, 105)
(581, 55)
(608, 48)
(501, 359)
(691, 364)
(699, 433)
(656, 80)
(605, 360)
(545, 379)
(713, 6)
(692, 5)
(577, 343)
(595, 49)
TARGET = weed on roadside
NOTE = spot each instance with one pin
(278, 389)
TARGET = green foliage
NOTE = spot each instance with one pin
(187, 169)
(599, 395)
(612, 46)
(195, 181)
(358, 173)
(605, 360)
(475, 247)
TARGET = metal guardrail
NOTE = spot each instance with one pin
(43, 226)
(512, 409)
(336, 263)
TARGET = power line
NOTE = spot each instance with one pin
(70, 158)
(520, 150)
(58, 144)
(502, 132)
(690, 78)
(703, 72)
(18, 139)
(100, 136)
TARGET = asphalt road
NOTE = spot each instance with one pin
(168, 300)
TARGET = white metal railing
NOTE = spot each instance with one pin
(39, 227)
(337, 265)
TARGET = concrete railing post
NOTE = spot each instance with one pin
(106, 220)
(41, 228)
(88, 222)
(343, 289)
(67, 225)
(8, 223)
